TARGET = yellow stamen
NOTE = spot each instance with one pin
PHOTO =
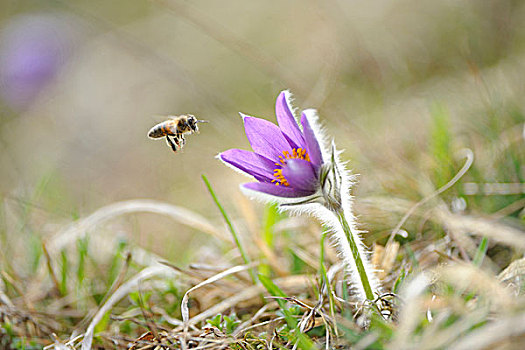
(297, 153)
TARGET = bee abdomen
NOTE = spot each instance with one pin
(159, 130)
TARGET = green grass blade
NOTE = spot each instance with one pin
(303, 341)
(271, 216)
(64, 267)
(82, 248)
(277, 292)
(235, 236)
(481, 252)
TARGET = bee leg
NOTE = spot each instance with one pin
(177, 141)
(181, 141)
(171, 144)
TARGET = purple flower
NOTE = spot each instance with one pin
(33, 48)
(286, 159)
(293, 168)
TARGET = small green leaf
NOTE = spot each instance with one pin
(103, 324)
(230, 323)
(215, 321)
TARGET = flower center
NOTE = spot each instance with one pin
(297, 153)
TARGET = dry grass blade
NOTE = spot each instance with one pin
(245, 325)
(492, 334)
(439, 336)
(467, 153)
(330, 274)
(120, 278)
(18, 289)
(59, 346)
(4, 299)
(408, 319)
(366, 342)
(483, 227)
(515, 269)
(296, 282)
(50, 269)
(509, 209)
(121, 292)
(184, 304)
(181, 215)
(493, 189)
(291, 283)
(464, 278)
(468, 277)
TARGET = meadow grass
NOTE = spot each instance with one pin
(441, 197)
(452, 276)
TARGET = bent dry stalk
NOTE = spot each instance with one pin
(294, 168)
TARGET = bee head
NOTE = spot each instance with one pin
(192, 122)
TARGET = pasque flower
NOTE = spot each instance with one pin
(294, 168)
(33, 49)
(285, 160)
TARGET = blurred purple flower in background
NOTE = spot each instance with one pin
(33, 48)
(285, 160)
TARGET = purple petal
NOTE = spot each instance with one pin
(265, 138)
(287, 122)
(249, 162)
(312, 145)
(34, 48)
(278, 191)
(300, 174)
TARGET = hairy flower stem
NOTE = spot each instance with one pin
(355, 254)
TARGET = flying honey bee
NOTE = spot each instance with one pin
(176, 127)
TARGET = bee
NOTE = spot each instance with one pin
(176, 127)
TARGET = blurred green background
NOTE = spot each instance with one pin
(400, 85)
